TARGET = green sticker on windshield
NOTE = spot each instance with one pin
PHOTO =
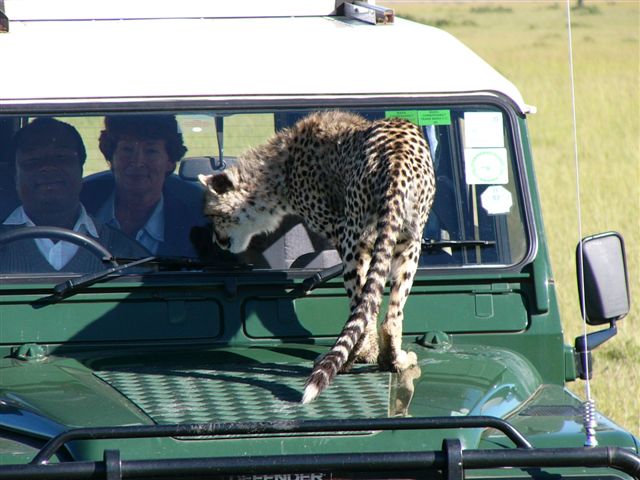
(434, 117)
(421, 117)
(409, 115)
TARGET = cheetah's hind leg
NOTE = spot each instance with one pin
(403, 269)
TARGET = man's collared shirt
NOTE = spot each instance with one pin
(150, 235)
(59, 253)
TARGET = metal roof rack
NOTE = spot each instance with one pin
(368, 13)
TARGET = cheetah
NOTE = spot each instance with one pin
(368, 187)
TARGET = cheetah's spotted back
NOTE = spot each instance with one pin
(368, 187)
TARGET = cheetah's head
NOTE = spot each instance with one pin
(233, 211)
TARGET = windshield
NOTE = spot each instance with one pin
(75, 188)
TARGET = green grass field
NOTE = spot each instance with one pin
(527, 42)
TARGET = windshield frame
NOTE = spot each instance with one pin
(213, 105)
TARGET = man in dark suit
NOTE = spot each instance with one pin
(48, 158)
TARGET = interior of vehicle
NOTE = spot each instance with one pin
(477, 219)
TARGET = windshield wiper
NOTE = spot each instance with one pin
(319, 278)
(72, 285)
(431, 244)
(186, 263)
(66, 288)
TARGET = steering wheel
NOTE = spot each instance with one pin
(80, 239)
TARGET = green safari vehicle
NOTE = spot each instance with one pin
(159, 356)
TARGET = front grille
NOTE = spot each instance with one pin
(239, 393)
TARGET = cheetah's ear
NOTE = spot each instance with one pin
(204, 179)
(218, 184)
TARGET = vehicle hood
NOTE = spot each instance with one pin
(259, 384)
(41, 399)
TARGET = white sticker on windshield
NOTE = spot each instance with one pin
(483, 129)
(484, 166)
(496, 200)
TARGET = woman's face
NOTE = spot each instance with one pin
(141, 165)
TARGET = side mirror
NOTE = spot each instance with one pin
(603, 280)
(602, 265)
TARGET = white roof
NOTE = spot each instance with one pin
(98, 55)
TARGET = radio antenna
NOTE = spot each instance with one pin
(589, 417)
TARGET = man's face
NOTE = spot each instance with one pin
(48, 174)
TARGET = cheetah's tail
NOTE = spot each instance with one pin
(366, 310)
(331, 363)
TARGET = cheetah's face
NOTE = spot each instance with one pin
(227, 208)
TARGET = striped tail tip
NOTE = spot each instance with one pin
(317, 382)
(326, 369)
(311, 392)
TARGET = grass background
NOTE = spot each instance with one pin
(528, 43)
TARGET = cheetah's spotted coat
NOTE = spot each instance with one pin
(368, 187)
